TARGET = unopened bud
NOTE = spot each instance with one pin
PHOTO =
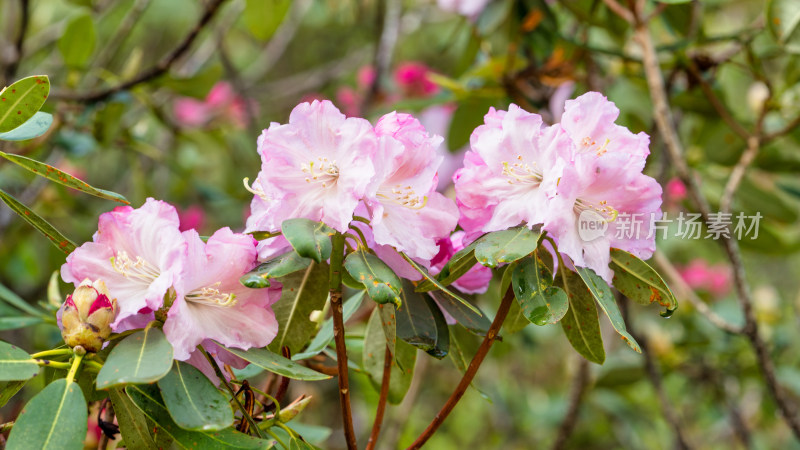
(87, 316)
(292, 410)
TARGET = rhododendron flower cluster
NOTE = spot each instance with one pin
(148, 264)
(323, 166)
(521, 171)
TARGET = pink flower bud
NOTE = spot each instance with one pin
(87, 315)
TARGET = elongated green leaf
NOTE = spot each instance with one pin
(374, 356)
(10, 389)
(466, 317)
(20, 101)
(303, 292)
(143, 357)
(262, 18)
(602, 293)
(77, 41)
(148, 399)
(33, 128)
(16, 364)
(383, 285)
(278, 364)
(541, 302)
(58, 239)
(308, 238)
(55, 419)
(515, 320)
(12, 323)
(325, 334)
(421, 324)
(783, 19)
(639, 282)
(428, 277)
(192, 400)
(281, 266)
(132, 422)
(15, 300)
(457, 356)
(53, 174)
(459, 264)
(580, 323)
(506, 246)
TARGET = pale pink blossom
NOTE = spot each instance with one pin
(406, 211)
(138, 253)
(510, 172)
(436, 119)
(468, 8)
(212, 304)
(317, 166)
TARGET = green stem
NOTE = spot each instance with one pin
(275, 436)
(290, 431)
(76, 363)
(224, 381)
(54, 364)
(53, 352)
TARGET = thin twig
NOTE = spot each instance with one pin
(686, 292)
(664, 120)
(791, 126)
(579, 385)
(717, 104)
(748, 156)
(154, 72)
(11, 68)
(619, 10)
(376, 426)
(491, 336)
(337, 255)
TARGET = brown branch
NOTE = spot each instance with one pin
(376, 426)
(11, 68)
(154, 72)
(747, 158)
(664, 120)
(619, 10)
(791, 126)
(579, 385)
(491, 336)
(717, 103)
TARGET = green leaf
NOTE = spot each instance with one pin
(515, 319)
(421, 324)
(783, 19)
(262, 18)
(288, 263)
(278, 364)
(389, 324)
(428, 277)
(56, 418)
(132, 422)
(148, 399)
(32, 128)
(383, 285)
(77, 41)
(143, 357)
(53, 174)
(541, 302)
(16, 364)
(602, 293)
(193, 401)
(303, 292)
(15, 300)
(474, 322)
(10, 389)
(506, 246)
(58, 239)
(325, 334)
(466, 118)
(13, 323)
(308, 238)
(457, 356)
(20, 101)
(580, 323)
(460, 263)
(374, 355)
(639, 282)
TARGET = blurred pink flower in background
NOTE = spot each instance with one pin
(412, 79)
(716, 279)
(468, 8)
(676, 190)
(221, 102)
(192, 217)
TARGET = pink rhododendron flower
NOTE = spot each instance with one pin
(406, 211)
(676, 190)
(412, 78)
(603, 182)
(511, 170)
(221, 101)
(476, 280)
(212, 304)
(715, 279)
(192, 217)
(138, 253)
(317, 166)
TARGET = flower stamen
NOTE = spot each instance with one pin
(211, 295)
(139, 269)
(255, 190)
(521, 172)
(327, 172)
